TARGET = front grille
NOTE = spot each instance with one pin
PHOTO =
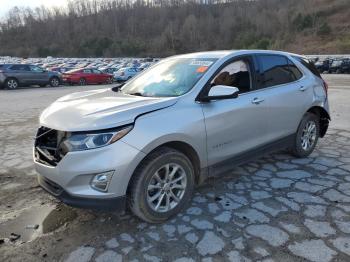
(47, 146)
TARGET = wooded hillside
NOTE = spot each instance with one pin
(112, 28)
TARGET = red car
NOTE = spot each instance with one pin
(86, 76)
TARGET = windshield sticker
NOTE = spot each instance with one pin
(202, 69)
(201, 63)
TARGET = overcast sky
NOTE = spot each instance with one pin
(6, 5)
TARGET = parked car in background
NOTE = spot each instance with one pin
(61, 69)
(109, 70)
(126, 73)
(13, 76)
(340, 66)
(86, 76)
(185, 119)
(323, 66)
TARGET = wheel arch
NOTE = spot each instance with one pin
(182, 147)
(11, 77)
(52, 77)
(323, 116)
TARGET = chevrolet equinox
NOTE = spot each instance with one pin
(146, 144)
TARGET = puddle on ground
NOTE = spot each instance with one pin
(36, 221)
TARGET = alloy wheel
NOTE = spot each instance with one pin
(12, 84)
(166, 188)
(308, 135)
(55, 82)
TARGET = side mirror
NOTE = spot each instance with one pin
(220, 92)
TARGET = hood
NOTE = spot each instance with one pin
(99, 109)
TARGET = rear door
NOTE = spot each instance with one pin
(89, 76)
(38, 75)
(21, 72)
(235, 125)
(289, 94)
(99, 76)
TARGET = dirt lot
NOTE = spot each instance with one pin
(276, 208)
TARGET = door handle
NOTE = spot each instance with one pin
(257, 100)
(302, 88)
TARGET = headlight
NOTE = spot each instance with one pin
(94, 139)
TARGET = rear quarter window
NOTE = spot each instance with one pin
(294, 71)
(309, 65)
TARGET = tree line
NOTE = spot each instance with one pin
(113, 28)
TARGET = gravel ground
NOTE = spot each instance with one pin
(277, 208)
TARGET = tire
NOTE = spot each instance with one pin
(109, 80)
(11, 83)
(82, 81)
(54, 82)
(305, 141)
(144, 185)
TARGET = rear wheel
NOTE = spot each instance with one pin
(161, 186)
(54, 82)
(11, 83)
(307, 135)
(82, 81)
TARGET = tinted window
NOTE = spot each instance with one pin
(96, 71)
(20, 67)
(308, 64)
(87, 71)
(275, 70)
(294, 71)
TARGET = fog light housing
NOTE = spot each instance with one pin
(100, 182)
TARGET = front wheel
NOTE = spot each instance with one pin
(161, 186)
(307, 135)
(54, 82)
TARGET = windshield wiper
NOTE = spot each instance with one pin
(135, 94)
(117, 88)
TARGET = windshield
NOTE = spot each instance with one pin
(170, 77)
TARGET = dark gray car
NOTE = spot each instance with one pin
(15, 75)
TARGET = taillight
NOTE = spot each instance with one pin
(325, 86)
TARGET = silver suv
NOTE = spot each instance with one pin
(147, 144)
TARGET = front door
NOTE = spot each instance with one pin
(235, 126)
